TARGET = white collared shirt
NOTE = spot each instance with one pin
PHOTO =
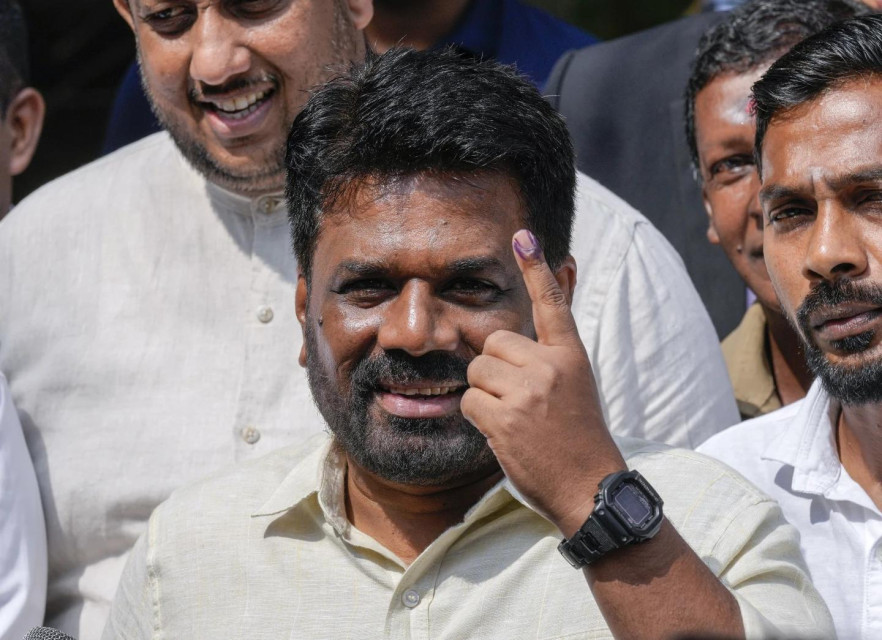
(22, 531)
(265, 551)
(791, 454)
(147, 329)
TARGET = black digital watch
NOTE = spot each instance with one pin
(627, 511)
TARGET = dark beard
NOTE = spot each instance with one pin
(415, 451)
(267, 173)
(851, 385)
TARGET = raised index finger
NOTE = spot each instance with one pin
(551, 310)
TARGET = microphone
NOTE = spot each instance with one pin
(46, 633)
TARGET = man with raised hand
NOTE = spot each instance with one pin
(819, 157)
(148, 312)
(432, 228)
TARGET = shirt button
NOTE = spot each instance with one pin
(250, 434)
(268, 204)
(410, 598)
(265, 314)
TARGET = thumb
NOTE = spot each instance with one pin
(551, 310)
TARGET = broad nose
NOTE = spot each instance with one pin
(219, 50)
(836, 247)
(417, 322)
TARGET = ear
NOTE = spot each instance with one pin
(360, 12)
(24, 118)
(123, 9)
(301, 297)
(566, 277)
(712, 236)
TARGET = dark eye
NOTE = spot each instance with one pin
(171, 21)
(731, 168)
(367, 291)
(473, 291)
(789, 215)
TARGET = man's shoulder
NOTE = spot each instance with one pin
(140, 167)
(741, 446)
(606, 228)
(677, 472)
(602, 215)
(234, 494)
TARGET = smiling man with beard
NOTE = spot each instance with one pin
(819, 154)
(467, 433)
(147, 315)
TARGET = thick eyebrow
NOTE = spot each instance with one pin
(456, 267)
(871, 174)
(777, 192)
(838, 183)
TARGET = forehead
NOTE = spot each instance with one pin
(421, 222)
(837, 133)
(727, 97)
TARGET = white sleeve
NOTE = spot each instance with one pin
(656, 357)
(23, 560)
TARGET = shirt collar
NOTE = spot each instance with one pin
(323, 474)
(268, 207)
(300, 483)
(809, 446)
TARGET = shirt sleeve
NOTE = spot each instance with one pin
(132, 613)
(742, 536)
(656, 355)
(23, 559)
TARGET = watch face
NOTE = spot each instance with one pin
(632, 505)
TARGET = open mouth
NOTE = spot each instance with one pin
(424, 391)
(240, 106)
(418, 401)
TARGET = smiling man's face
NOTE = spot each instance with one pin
(228, 77)
(822, 200)
(408, 280)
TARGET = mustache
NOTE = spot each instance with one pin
(401, 368)
(832, 293)
(199, 94)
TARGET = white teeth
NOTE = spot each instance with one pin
(242, 105)
(426, 391)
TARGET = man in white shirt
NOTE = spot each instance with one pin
(22, 530)
(819, 142)
(467, 434)
(148, 318)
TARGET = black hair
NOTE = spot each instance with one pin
(408, 112)
(843, 52)
(14, 69)
(753, 34)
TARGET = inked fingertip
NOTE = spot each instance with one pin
(526, 245)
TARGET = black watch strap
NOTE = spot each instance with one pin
(588, 544)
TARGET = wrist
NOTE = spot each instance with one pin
(626, 511)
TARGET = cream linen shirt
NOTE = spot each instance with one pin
(147, 329)
(266, 551)
(791, 454)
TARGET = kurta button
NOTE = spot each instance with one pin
(250, 434)
(265, 314)
(410, 598)
(268, 204)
